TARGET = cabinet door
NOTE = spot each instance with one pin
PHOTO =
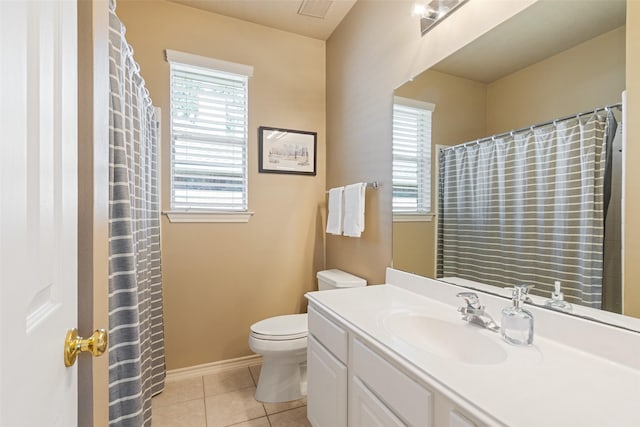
(458, 420)
(326, 387)
(366, 410)
(410, 400)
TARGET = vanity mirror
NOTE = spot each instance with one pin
(551, 61)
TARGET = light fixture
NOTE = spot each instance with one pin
(434, 11)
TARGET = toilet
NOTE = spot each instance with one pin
(282, 342)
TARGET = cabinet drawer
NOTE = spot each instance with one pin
(332, 336)
(402, 395)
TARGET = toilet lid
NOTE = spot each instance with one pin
(287, 327)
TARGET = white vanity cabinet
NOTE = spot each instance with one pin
(351, 384)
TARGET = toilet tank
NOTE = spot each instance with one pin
(337, 279)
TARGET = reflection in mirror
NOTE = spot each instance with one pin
(529, 207)
(532, 69)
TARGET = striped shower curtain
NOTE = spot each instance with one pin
(527, 207)
(136, 353)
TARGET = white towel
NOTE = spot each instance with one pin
(334, 218)
(354, 209)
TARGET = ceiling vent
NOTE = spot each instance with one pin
(315, 8)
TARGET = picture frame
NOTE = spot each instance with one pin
(287, 151)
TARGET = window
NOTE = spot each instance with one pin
(411, 157)
(208, 135)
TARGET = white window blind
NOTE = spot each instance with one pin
(411, 156)
(208, 134)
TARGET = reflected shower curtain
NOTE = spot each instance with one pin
(136, 347)
(527, 207)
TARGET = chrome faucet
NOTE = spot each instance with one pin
(474, 313)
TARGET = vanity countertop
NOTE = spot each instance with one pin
(547, 384)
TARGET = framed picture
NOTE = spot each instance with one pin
(286, 151)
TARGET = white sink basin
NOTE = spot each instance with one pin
(460, 341)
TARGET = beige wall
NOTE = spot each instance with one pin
(631, 195)
(459, 116)
(377, 48)
(589, 75)
(460, 106)
(220, 278)
(414, 247)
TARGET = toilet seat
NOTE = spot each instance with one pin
(281, 328)
(293, 347)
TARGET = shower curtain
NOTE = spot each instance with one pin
(136, 348)
(527, 207)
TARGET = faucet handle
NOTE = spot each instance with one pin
(520, 293)
(471, 298)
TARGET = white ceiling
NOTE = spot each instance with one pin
(279, 14)
(542, 30)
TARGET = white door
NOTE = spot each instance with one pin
(38, 219)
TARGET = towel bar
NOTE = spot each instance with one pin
(372, 184)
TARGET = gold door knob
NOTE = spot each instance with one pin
(73, 344)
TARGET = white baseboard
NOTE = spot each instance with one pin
(212, 368)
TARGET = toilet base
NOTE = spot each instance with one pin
(282, 381)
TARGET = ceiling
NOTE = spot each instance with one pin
(279, 14)
(540, 31)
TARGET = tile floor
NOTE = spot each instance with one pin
(223, 399)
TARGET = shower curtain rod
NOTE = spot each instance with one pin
(511, 132)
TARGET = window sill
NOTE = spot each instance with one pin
(413, 217)
(195, 216)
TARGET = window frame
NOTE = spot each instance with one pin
(216, 66)
(426, 214)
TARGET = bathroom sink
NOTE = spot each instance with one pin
(460, 341)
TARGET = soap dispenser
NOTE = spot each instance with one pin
(517, 323)
(557, 301)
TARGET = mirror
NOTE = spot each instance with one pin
(553, 60)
